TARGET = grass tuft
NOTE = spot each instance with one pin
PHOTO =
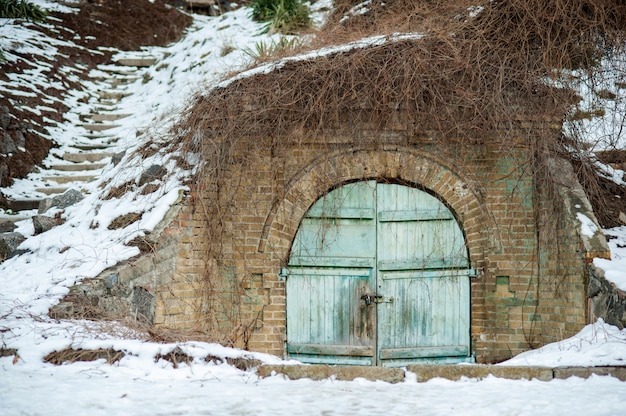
(21, 9)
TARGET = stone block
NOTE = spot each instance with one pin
(7, 226)
(154, 172)
(586, 372)
(7, 145)
(455, 372)
(111, 280)
(320, 372)
(5, 117)
(9, 243)
(43, 223)
(68, 198)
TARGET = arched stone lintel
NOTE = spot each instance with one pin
(406, 165)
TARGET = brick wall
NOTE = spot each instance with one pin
(215, 267)
(530, 288)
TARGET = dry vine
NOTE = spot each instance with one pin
(476, 78)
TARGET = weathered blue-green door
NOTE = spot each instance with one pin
(332, 265)
(422, 271)
(378, 275)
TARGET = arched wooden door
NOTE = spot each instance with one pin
(378, 275)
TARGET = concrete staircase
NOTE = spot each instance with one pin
(90, 151)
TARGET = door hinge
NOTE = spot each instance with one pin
(282, 276)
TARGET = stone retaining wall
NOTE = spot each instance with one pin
(606, 301)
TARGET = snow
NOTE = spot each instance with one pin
(359, 9)
(218, 390)
(362, 43)
(475, 11)
(602, 105)
(137, 384)
(615, 175)
(595, 345)
(587, 227)
(615, 268)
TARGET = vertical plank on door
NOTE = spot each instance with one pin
(331, 263)
(420, 247)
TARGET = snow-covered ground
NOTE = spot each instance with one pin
(137, 384)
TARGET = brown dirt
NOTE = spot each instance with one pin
(125, 25)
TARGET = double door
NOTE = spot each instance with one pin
(378, 275)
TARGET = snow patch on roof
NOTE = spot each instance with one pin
(359, 44)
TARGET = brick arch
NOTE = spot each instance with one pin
(460, 193)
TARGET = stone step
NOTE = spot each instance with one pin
(98, 78)
(78, 167)
(121, 80)
(340, 372)
(201, 3)
(86, 157)
(99, 127)
(425, 372)
(107, 116)
(16, 205)
(215, 6)
(117, 70)
(108, 102)
(101, 146)
(99, 135)
(51, 190)
(112, 95)
(18, 216)
(69, 179)
(138, 62)
(105, 107)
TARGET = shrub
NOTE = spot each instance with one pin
(21, 9)
(285, 16)
(264, 51)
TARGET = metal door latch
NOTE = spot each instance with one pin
(369, 299)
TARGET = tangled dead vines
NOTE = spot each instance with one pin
(477, 77)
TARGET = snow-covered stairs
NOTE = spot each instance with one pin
(94, 146)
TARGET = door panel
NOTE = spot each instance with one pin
(420, 252)
(403, 248)
(342, 224)
(325, 319)
(429, 316)
(331, 268)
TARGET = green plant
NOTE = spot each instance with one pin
(264, 10)
(21, 9)
(285, 16)
(263, 50)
